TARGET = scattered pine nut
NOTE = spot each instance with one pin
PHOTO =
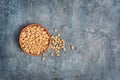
(57, 54)
(58, 35)
(72, 47)
(55, 30)
(51, 54)
(43, 58)
(64, 49)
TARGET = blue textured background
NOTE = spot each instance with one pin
(93, 26)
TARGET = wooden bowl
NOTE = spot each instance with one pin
(24, 44)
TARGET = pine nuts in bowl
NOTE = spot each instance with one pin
(34, 39)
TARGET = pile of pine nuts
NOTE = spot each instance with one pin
(57, 44)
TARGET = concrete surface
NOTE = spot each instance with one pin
(93, 26)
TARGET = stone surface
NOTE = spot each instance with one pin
(93, 26)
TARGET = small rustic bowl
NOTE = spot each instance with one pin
(31, 25)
